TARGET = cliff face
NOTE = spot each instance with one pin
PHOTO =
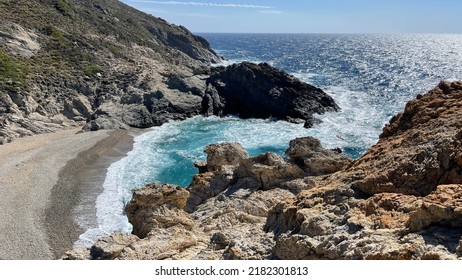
(401, 200)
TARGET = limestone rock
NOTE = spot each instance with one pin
(314, 159)
(18, 40)
(419, 149)
(112, 247)
(401, 200)
(157, 206)
(268, 170)
(219, 155)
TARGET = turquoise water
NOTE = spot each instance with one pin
(371, 77)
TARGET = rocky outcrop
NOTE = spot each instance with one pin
(19, 41)
(157, 206)
(314, 159)
(262, 91)
(401, 200)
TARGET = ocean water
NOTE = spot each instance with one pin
(371, 77)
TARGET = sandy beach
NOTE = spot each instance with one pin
(42, 179)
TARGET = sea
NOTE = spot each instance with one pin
(370, 76)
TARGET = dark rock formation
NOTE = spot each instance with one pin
(262, 91)
(104, 65)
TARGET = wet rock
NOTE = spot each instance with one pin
(262, 91)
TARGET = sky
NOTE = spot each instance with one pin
(309, 16)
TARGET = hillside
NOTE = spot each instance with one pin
(64, 62)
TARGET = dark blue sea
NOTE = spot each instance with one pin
(371, 77)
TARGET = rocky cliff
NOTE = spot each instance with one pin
(104, 65)
(401, 200)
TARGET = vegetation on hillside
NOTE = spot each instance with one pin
(78, 37)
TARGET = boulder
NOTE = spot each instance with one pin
(157, 206)
(219, 155)
(309, 154)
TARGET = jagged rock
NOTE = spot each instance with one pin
(314, 159)
(77, 254)
(420, 149)
(19, 41)
(207, 185)
(441, 207)
(219, 155)
(261, 91)
(219, 241)
(112, 247)
(108, 79)
(311, 121)
(393, 202)
(157, 206)
(267, 170)
(135, 70)
(103, 122)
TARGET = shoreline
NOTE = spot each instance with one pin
(74, 196)
(41, 182)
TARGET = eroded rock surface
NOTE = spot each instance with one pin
(401, 200)
(104, 65)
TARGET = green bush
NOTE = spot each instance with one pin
(92, 70)
(63, 7)
(10, 69)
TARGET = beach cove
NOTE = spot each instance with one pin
(42, 179)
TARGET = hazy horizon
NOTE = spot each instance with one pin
(316, 16)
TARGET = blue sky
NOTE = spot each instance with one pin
(310, 16)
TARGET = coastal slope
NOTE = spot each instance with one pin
(400, 200)
(66, 63)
